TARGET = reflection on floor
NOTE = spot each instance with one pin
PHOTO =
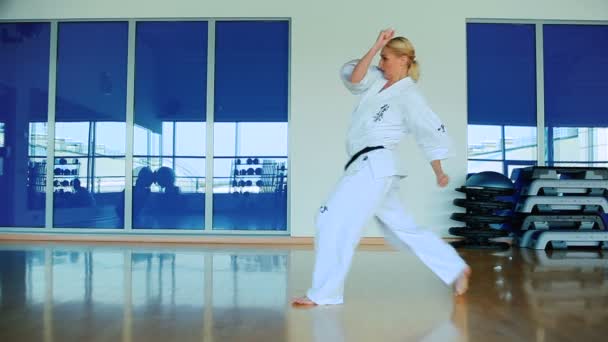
(52, 292)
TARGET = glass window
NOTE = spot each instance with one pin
(24, 72)
(90, 139)
(250, 130)
(582, 144)
(170, 131)
(520, 143)
(2, 134)
(475, 166)
(38, 139)
(250, 176)
(485, 142)
(105, 138)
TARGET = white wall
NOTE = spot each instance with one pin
(325, 34)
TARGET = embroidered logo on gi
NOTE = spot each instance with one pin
(441, 129)
(380, 115)
(323, 209)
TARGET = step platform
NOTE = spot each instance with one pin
(554, 204)
(562, 239)
(572, 222)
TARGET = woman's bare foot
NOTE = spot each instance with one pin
(302, 301)
(461, 285)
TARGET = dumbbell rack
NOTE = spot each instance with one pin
(263, 176)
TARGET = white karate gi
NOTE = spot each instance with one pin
(370, 186)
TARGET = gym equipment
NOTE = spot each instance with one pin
(529, 173)
(561, 207)
(563, 222)
(478, 232)
(587, 204)
(488, 211)
(553, 187)
(482, 205)
(562, 239)
(479, 219)
(270, 175)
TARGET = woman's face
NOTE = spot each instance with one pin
(392, 65)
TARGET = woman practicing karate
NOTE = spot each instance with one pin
(390, 106)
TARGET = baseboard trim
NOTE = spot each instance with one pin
(231, 240)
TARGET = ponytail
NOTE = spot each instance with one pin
(414, 71)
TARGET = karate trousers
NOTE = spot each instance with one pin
(358, 197)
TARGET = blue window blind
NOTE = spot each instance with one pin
(92, 71)
(576, 75)
(501, 74)
(251, 71)
(171, 73)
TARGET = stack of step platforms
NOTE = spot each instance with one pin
(561, 206)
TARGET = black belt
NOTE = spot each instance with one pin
(358, 154)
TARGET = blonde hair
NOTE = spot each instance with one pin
(401, 46)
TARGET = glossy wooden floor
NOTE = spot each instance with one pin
(172, 293)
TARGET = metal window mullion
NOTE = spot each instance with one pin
(173, 148)
(130, 126)
(50, 158)
(590, 143)
(540, 97)
(209, 153)
(289, 146)
(505, 168)
(91, 156)
(209, 126)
